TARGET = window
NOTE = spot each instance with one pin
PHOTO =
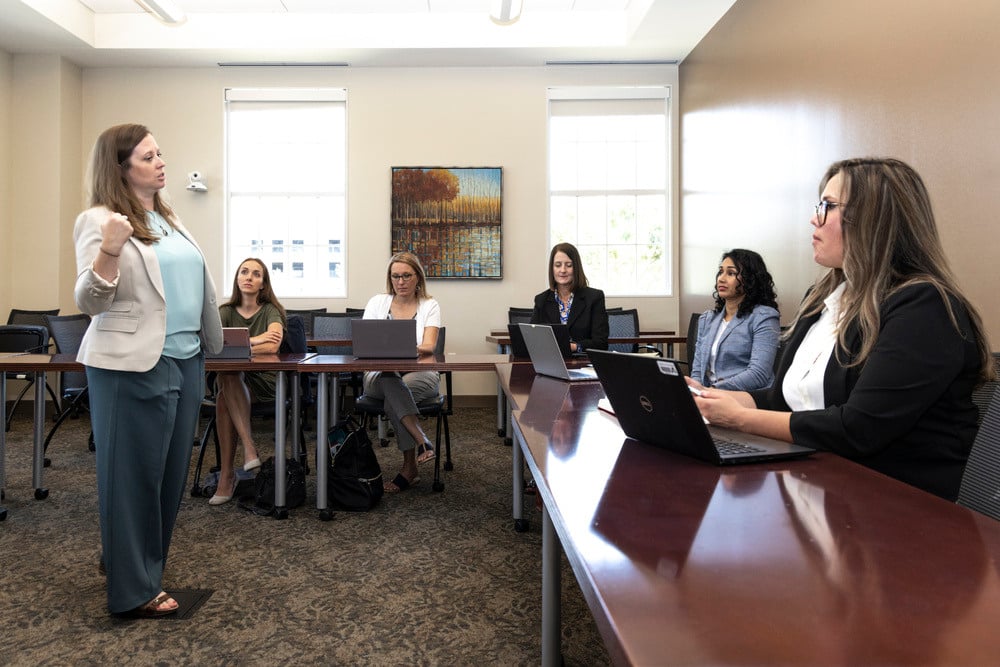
(608, 185)
(286, 179)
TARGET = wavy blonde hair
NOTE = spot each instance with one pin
(890, 242)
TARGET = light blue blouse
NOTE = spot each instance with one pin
(183, 273)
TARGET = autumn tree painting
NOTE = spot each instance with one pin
(450, 218)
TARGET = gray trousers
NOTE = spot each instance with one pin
(400, 396)
(144, 426)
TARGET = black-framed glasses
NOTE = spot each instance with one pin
(402, 277)
(825, 207)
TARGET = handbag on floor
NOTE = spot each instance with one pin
(355, 479)
(262, 500)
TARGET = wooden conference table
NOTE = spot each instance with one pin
(327, 366)
(40, 364)
(818, 561)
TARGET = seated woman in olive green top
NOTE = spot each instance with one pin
(254, 306)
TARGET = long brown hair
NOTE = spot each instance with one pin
(266, 294)
(568, 249)
(413, 262)
(109, 162)
(890, 242)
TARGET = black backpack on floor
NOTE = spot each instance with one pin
(355, 479)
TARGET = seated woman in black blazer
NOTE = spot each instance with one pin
(570, 301)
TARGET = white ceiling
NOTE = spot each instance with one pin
(364, 33)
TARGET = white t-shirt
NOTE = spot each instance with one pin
(428, 312)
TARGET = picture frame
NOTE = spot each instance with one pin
(451, 218)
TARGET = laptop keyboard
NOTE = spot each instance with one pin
(729, 447)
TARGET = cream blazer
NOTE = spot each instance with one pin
(129, 324)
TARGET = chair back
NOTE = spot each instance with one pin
(519, 315)
(307, 315)
(623, 323)
(35, 317)
(67, 331)
(355, 311)
(983, 394)
(692, 340)
(980, 489)
(294, 340)
(333, 326)
(32, 338)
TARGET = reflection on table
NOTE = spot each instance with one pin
(818, 561)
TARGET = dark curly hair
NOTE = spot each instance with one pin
(753, 278)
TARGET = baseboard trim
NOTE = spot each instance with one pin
(475, 401)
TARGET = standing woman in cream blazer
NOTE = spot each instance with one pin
(738, 339)
(144, 281)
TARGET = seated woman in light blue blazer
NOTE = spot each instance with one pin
(738, 339)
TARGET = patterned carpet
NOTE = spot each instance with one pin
(424, 579)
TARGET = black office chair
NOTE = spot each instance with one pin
(25, 338)
(34, 317)
(307, 315)
(983, 395)
(691, 340)
(624, 323)
(357, 312)
(440, 407)
(519, 315)
(980, 489)
(337, 326)
(67, 331)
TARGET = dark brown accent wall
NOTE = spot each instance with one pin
(780, 88)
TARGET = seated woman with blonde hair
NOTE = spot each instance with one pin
(252, 305)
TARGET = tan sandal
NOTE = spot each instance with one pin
(153, 608)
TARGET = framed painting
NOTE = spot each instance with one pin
(450, 218)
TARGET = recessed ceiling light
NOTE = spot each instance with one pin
(506, 12)
(165, 10)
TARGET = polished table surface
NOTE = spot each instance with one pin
(818, 561)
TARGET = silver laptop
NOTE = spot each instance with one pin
(654, 404)
(235, 344)
(546, 357)
(384, 339)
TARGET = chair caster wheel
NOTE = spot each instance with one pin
(3, 513)
(281, 513)
(521, 525)
(47, 463)
(448, 466)
(41, 494)
(195, 491)
(501, 433)
(438, 486)
(509, 442)
(383, 443)
(326, 515)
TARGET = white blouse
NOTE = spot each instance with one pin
(803, 383)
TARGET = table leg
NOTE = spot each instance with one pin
(322, 447)
(551, 594)
(3, 444)
(517, 483)
(280, 510)
(38, 461)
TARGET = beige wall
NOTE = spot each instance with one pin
(780, 88)
(448, 116)
(5, 167)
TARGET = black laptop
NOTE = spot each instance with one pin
(654, 404)
(519, 349)
(384, 339)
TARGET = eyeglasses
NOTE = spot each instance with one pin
(825, 207)
(402, 277)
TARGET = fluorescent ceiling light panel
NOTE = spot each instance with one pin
(165, 10)
(506, 12)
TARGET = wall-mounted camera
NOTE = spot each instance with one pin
(195, 183)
